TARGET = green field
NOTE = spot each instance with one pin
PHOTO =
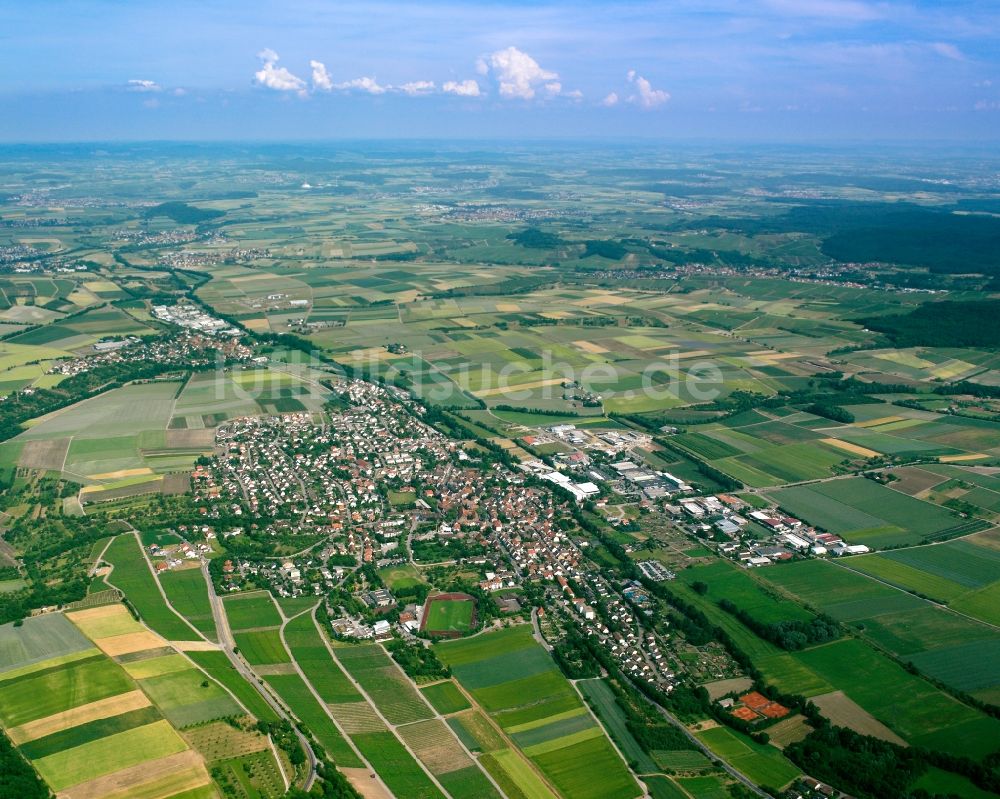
(251, 610)
(132, 575)
(115, 752)
(262, 647)
(296, 694)
(449, 615)
(187, 697)
(45, 691)
(602, 700)
(763, 764)
(517, 682)
(866, 512)
(445, 697)
(217, 665)
(188, 593)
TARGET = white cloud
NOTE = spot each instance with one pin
(465, 88)
(519, 76)
(143, 86)
(646, 96)
(321, 79)
(611, 100)
(364, 84)
(947, 50)
(417, 87)
(271, 76)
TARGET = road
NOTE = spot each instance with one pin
(228, 644)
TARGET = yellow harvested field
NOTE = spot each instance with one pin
(880, 420)
(156, 779)
(194, 646)
(591, 347)
(845, 712)
(118, 475)
(489, 392)
(972, 456)
(687, 354)
(554, 314)
(361, 779)
(854, 449)
(105, 621)
(257, 324)
(101, 709)
(461, 321)
(508, 307)
(129, 643)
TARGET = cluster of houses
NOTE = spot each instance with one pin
(187, 349)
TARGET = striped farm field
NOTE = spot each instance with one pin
(517, 682)
(85, 724)
(380, 677)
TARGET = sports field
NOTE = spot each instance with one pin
(448, 615)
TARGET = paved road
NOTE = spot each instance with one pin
(706, 751)
(228, 644)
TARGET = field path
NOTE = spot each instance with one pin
(371, 702)
(323, 704)
(840, 562)
(227, 644)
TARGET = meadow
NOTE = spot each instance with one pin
(131, 573)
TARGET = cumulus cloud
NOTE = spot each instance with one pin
(518, 75)
(271, 76)
(321, 79)
(465, 88)
(143, 86)
(646, 96)
(417, 87)
(611, 100)
(363, 84)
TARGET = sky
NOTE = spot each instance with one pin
(755, 70)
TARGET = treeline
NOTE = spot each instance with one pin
(17, 777)
(965, 323)
(418, 661)
(789, 634)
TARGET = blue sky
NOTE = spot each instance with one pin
(726, 69)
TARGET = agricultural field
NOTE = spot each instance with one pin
(188, 594)
(865, 512)
(445, 697)
(761, 763)
(517, 683)
(86, 726)
(131, 573)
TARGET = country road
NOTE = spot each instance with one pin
(228, 644)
